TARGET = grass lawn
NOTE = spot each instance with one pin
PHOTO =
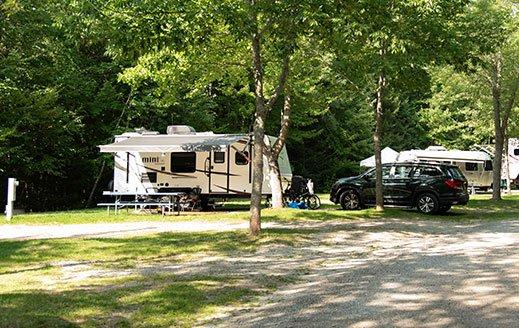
(145, 281)
(236, 211)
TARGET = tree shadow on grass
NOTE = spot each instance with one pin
(154, 301)
(29, 255)
(475, 210)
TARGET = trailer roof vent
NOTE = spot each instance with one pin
(436, 148)
(144, 132)
(180, 129)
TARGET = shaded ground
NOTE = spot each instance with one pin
(309, 268)
(394, 273)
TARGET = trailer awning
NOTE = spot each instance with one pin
(174, 143)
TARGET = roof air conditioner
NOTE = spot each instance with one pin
(180, 129)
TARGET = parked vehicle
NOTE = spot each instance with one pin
(431, 188)
(183, 160)
(476, 166)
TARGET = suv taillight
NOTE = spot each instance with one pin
(454, 184)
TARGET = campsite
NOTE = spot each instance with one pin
(255, 163)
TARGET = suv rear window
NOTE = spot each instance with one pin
(455, 173)
(427, 171)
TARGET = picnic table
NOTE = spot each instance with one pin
(173, 200)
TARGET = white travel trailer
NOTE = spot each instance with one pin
(510, 164)
(512, 172)
(475, 165)
(216, 165)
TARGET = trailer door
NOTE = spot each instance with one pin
(219, 172)
(473, 173)
(240, 169)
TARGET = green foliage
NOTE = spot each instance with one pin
(456, 116)
(54, 92)
(73, 74)
(460, 111)
(399, 40)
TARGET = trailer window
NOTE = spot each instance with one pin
(241, 157)
(516, 152)
(488, 165)
(219, 157)
(183, 162)
(471, 166)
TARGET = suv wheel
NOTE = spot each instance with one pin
(350, 200)
(427, 203)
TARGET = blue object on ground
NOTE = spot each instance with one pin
(299, 205)
(293, 204)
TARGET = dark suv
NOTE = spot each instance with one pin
(431, 188)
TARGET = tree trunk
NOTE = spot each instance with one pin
(258, 136)
(496, 174)
(262, 109)
(273, 155)
(498, 129)
(275, 183)
(379, 200)
(257, 174)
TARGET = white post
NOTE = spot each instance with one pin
(12, 183)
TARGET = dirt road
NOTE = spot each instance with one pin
(395, 274)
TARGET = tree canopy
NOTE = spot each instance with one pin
(73, 74)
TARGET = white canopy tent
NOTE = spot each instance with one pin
(388, 156)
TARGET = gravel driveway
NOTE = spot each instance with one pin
(393, 274)
(363, 273)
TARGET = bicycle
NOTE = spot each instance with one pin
(301, 190)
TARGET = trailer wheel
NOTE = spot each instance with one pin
(204, 203)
